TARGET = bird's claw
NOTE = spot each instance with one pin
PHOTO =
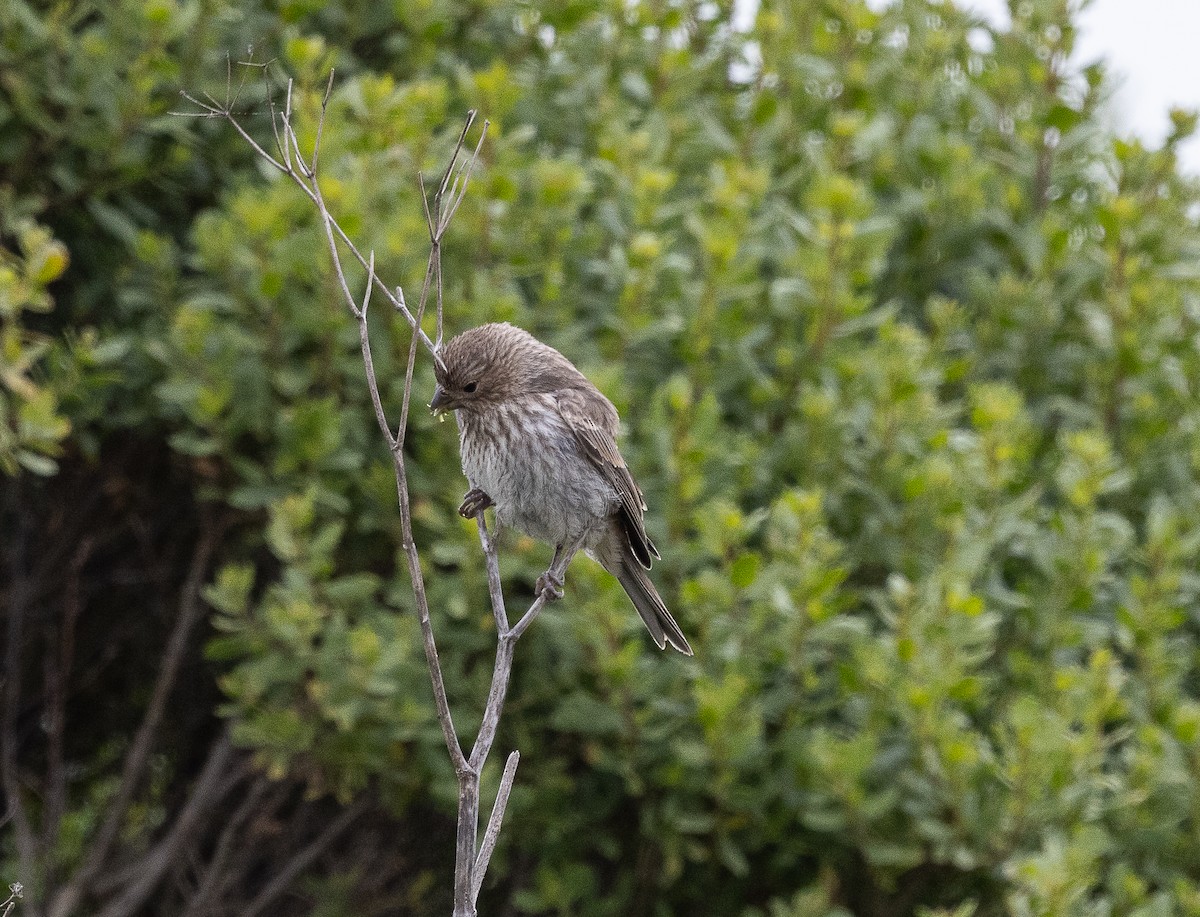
(549, 585)
(474, 503)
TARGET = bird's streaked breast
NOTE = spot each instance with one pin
(523, 455)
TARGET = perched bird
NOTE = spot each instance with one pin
(538, 441)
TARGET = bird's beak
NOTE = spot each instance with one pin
(440, 401)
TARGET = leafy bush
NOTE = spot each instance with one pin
(904, 340)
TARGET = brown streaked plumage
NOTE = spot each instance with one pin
(539, 442)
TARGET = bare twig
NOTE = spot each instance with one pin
(464, 850)
(364, 340)
(465, 176)
(528, 618)
(438, 220)
(495, 587)
(437, 271)
(495, 701)
(305, 175)
(492, 834)
(450, 166)
(430, 645)
(327, 222)
(321, 122)
(402, 430)
(299, 173)
(470, 862)
(437, 226)
(503, 669)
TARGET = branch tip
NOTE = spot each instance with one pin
(328, 89)
(495, 821)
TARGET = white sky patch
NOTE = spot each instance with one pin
(1151, 47)
(1151, 50)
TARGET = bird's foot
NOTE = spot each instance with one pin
(474, 503)
(549, 585)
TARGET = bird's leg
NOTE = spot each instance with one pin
(550, 583)
(474, 503)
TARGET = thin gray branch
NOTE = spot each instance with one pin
(299, 173)
(504, 656)
(450, 166)
(495, 587)
(470, 863)
(528, 618)
(327, 223)
(321, 122)
(465, 174)
(464, 852)
(214, 111)
(492, 834)
(427, 639)
(309, 181)
(438, 285)
(412, 360)
(364, 339)
(501, 671)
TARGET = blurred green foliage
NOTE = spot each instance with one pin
(30, 425)
(905, 343)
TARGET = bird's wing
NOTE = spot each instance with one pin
(594, 422)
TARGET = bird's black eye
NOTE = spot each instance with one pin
(470, 387)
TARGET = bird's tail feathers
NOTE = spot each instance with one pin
(649, 604)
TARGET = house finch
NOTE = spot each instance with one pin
(538, 441)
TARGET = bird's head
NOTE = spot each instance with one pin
(492, 364)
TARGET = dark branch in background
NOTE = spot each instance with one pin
(68, 898)
(71, 557)
(304, 858)
(60, 653)
(11, 684)
(472, 858)
(210, 787)
(216, 873)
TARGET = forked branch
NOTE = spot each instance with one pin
(472, 859)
